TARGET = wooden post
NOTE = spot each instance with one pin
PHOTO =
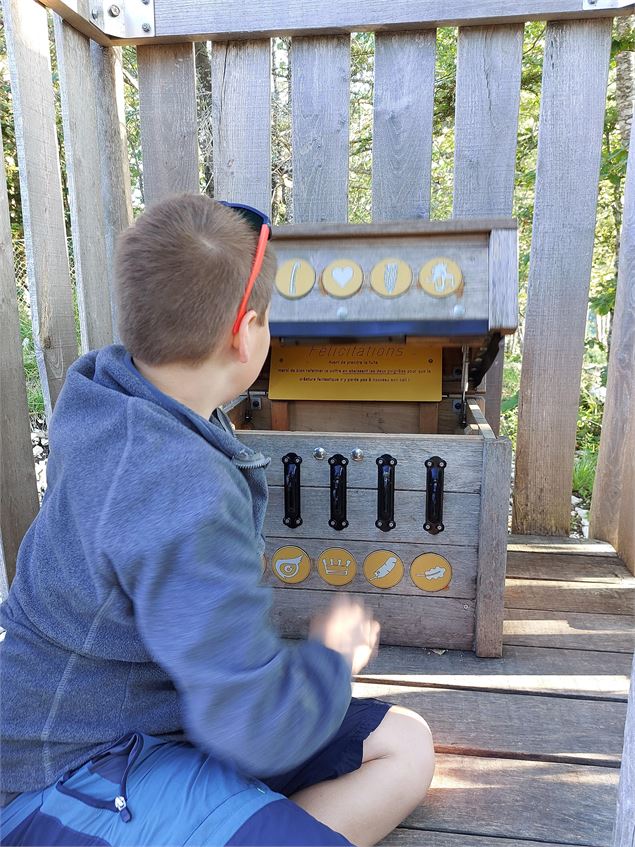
(492, 550)
(82, 146)
(402, 128)
(18, 492)
(320, 76)
(624, 832)
(487, 101)
(575, 71)
(116, 193)
(613, 504)
(41, 192)
(241, 122)
(167, 107)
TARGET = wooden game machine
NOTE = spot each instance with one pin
(386, 480)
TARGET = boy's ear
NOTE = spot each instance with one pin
(242, 341)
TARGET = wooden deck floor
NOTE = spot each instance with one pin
(528, 746)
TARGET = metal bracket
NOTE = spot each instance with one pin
(592, 5)
(124, 18)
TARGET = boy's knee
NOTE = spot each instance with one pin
(406, 736)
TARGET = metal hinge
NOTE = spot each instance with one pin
(593, 5)
(124, 18)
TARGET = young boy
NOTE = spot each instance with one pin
(146, 699)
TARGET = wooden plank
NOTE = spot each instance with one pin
(462, 559)
(575, 71)
(460, 517)
(428, 417)
(585, 597)
(462, 475)
(572, 630)
(216, 19)
(280, 415)
(492, 553)
(574, 673)
(518, 726)
(428, 621)
(320, 79)
(18, 492)
(487, 100)
(389, 229)
(477, 416)
(563, 546)
(508, 798)
(503, 277)
(615, 474)
(523, 565)
(107, 69)
(624, 832)
(241, 123)
(53, 318)
(82, 148)
(405, 837)
(167, 111)
(402, 124)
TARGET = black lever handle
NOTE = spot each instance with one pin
(386, 493)
(338, 491)
(434, 495)
(292, 517)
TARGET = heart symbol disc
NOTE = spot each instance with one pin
(342, 276)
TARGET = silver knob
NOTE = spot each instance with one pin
(319, 453)
(357, 455)
(459, 310)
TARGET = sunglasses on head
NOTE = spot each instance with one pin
(262, 225)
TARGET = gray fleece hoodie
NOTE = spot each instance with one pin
(137, 603)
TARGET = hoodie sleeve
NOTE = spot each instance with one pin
(193, 570)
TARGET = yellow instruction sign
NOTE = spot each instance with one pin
(367, 371)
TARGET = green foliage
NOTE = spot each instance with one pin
(584, 476)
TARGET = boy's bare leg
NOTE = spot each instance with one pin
(396, 771)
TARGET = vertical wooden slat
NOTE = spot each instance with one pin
(613, 507)
(167, 108)
(41, 191)
(575, 71)
(116, 194)
(320, 95)
(241, 122)
(82, 146)
(402, 124)
(487, 101)
(492, 548)
(18, 492)
(624, 831)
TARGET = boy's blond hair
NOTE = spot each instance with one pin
(182, 268)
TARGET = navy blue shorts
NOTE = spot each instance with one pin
(143, 790)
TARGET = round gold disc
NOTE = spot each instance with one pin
(391, 277)
(383, 569)
(295, 278)
(342, 278)
(336, 566)
(431, 572)
(291, 564)
(441, 277)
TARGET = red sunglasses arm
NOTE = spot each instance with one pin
(255, 270)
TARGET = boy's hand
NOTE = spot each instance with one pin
(349, 628)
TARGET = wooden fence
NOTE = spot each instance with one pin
(490, 36)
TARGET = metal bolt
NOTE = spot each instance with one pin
(592, 2)
(342, 313)
(94, 13)
(146, 27)
(319, 453)
(357, 455)
(146, 2)
(114, 11)
(465, 606)
(439, 527)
